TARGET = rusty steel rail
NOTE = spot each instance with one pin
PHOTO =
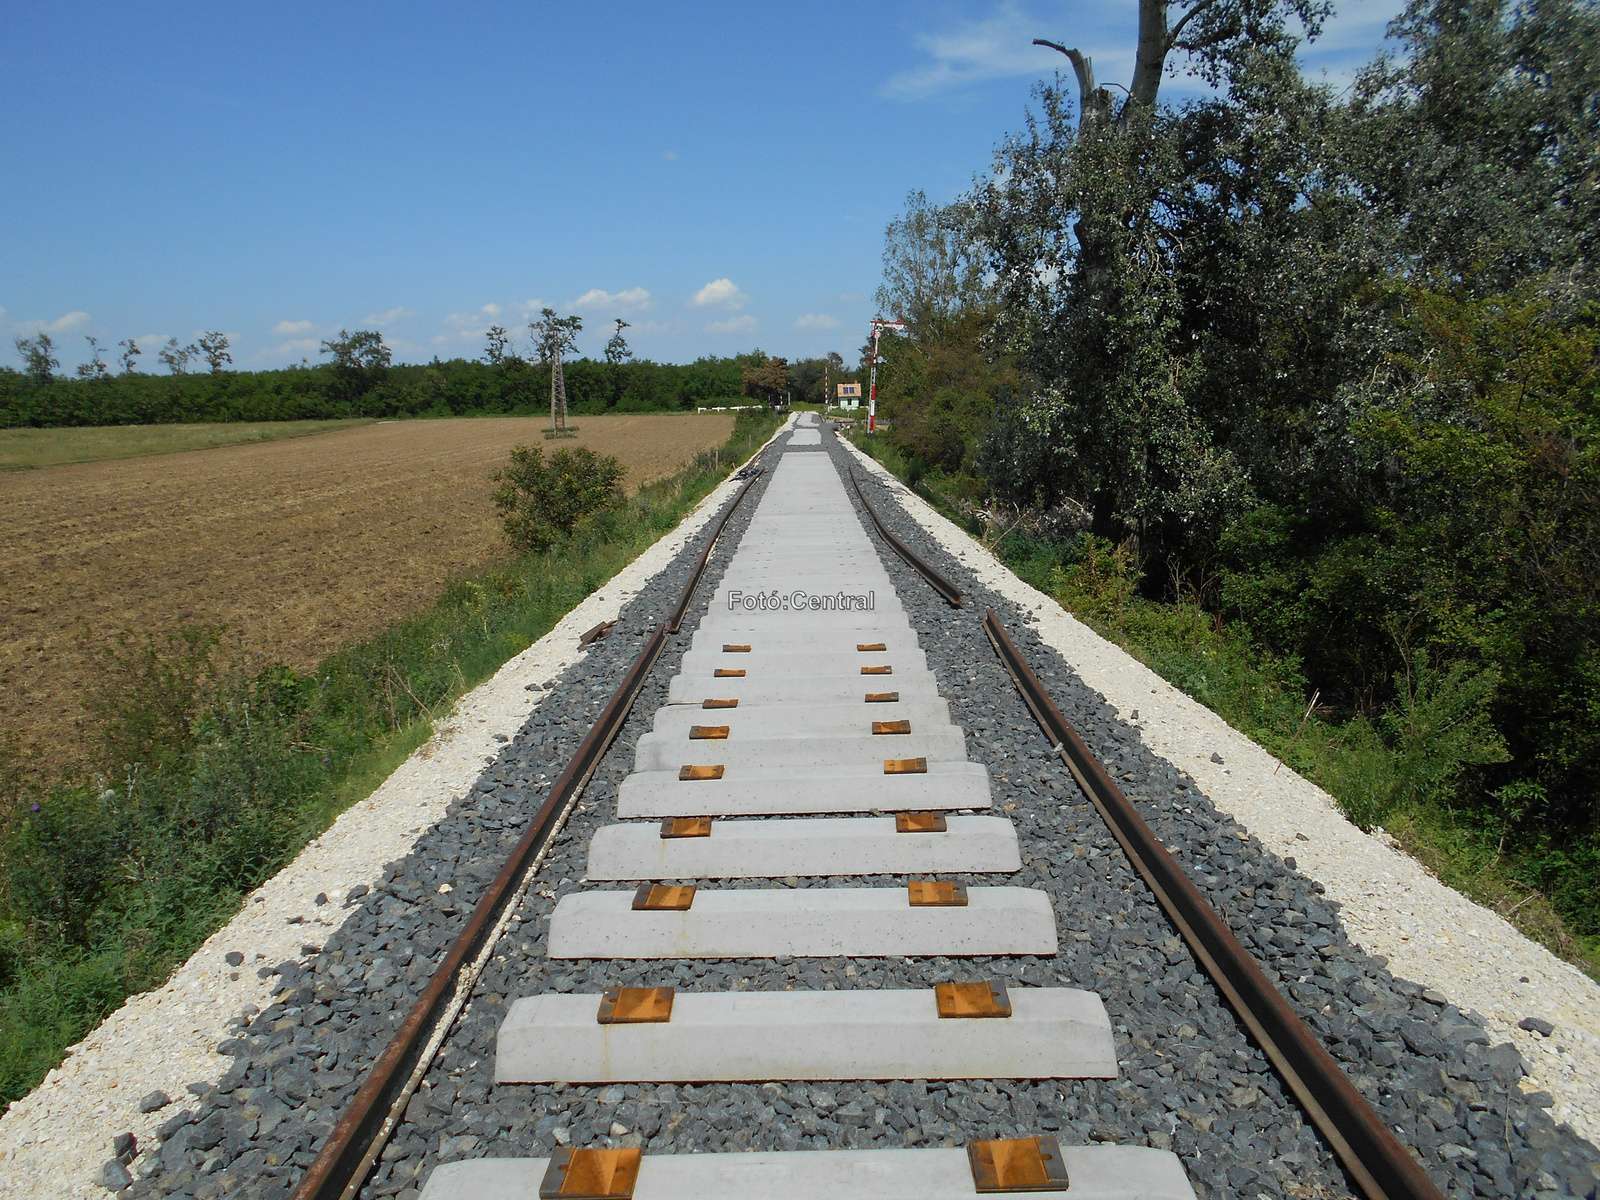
(950, 592)
(1370, 1152)
(358, 1138)
(682, 607)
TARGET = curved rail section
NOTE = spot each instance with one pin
(943, 586)
(359, 1137)
(1370, 1152)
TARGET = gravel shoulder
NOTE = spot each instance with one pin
(54, 1140)
(1390, 905)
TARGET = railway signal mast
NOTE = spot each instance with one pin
(878, 326)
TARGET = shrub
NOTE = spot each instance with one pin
(542, 501)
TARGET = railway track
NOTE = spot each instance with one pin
(829, 900)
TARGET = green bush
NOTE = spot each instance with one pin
(542, 501)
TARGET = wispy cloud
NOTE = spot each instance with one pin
(65, 323)
(388, 318)
(634, 300)
(471, 326)
(290, 328)
(720, 293)
(301, 346)
(744, 324)
(671, 156)
(999, 46)
(817, 321)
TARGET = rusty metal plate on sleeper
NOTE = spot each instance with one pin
(920, 822)
(981, 998)
(871, 647)
(883, 697)
(662, 897)
(719, 704)
(635, 1006)
(905, 766)
(730, 649)
(936, 893)
(891, 727)
(708, 733)
(719, 673)
(1017, 1165)
(686, 827)
(708, 772)
(591, 1174)
(877, 670)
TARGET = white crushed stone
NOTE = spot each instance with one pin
(1390, 904)
(54, 1140)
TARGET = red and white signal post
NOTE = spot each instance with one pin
(878, 326)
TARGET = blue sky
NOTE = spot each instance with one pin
(719, 175)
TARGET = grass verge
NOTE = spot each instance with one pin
(1267, 699)
(28, 449)
(214, 776)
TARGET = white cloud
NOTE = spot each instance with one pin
(300, 346)
(635, 299)
(817, 321)
(999, 46)
(671, 156)
(62, 324)
(744, 324)
(388, 318)
(720, 293)
(289, 328)
(66, 324)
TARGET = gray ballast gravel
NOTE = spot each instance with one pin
(1189, 1079)
(54, 1141)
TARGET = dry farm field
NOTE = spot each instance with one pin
(296, 545)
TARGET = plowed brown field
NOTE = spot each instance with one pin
(297, 546)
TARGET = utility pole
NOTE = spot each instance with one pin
(878, 326)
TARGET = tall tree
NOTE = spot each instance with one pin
(96, 367)
(214, 349)
(496, 342)
(617, 348)
(130, 351)
(175, 357)
(932, 271)
(769, 379)
(38, 357)
(360, 361)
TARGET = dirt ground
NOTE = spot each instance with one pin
(297, 546)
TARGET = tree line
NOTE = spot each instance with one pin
(361, 379)
(1325, 364)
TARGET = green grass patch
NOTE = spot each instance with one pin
(1403, 771)
(26, 449)
(213, 777)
